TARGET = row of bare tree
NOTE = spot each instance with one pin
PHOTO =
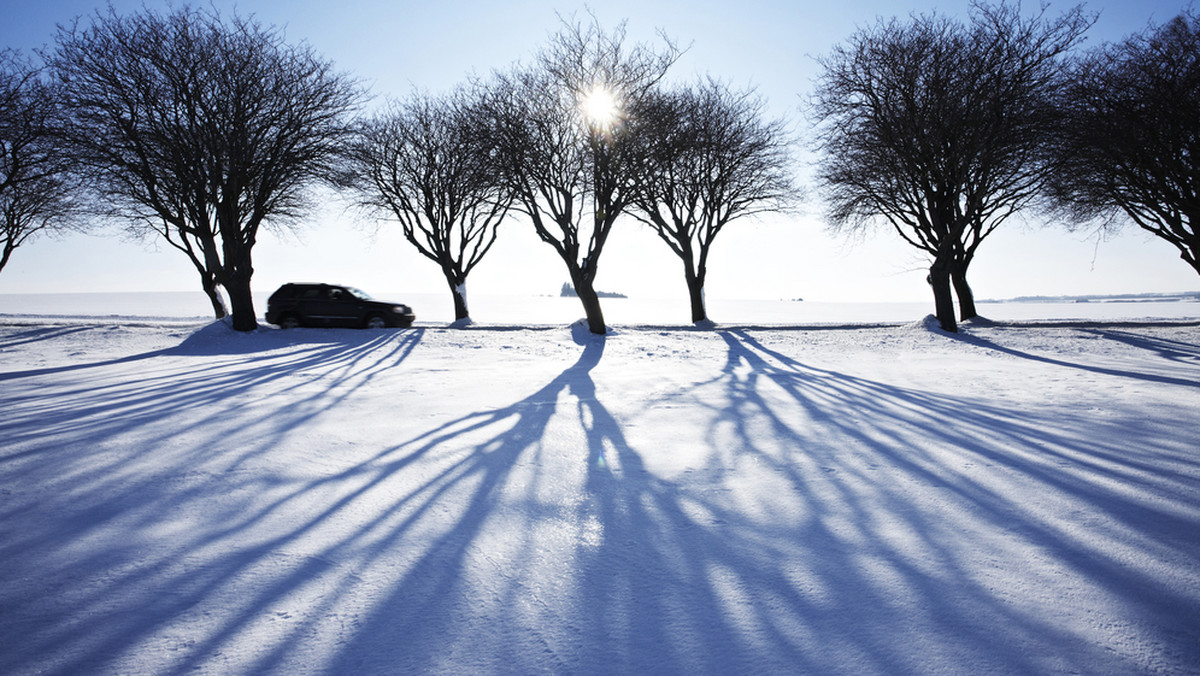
(185, 125)
(203, 129)
(587, 133)
(943, 130)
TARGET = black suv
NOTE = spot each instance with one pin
(329, 305)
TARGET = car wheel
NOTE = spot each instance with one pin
(289, 322)
(376, 322)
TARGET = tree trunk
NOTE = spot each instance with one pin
(966, 297)
(591, 301)
(7, 253)
(213, 292)
(943, 298)
(457, 281)
(695, 284)
(1186, 236)
(242, 303)
(1192, 255)
(459, 291)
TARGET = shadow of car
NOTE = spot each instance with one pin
(321, 305)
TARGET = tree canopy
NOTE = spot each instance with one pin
(201, 129)
(38, 187)
(1130, 142)
(424, 162)
(941, 129)
(711, 156)
(569, 169)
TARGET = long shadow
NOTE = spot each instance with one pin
(38, 334)
(214, 339)
(628, 592)
(1166, 348)
(408, 632)
(116, 594)
(429, 544)
(838, 567)
(653, 594)
(221, 385)
(1173, 350)
(865, 455)
(833, 523)
(469, 545)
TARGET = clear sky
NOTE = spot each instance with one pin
(394, 46)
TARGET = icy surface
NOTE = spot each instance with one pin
(491, 309)
(1020, 498)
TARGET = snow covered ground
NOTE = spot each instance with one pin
(1021, 498)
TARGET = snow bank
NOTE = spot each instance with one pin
(887, 499)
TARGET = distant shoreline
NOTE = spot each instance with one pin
(1182, 296)
(568, 291)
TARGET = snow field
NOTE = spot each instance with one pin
(1021, 498)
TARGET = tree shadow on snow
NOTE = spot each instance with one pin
(857, 557)
(833, 523)
(213, 339)
(611, 575)
(1164, 348)
(909, 507)
(499, 472)
(96, 449)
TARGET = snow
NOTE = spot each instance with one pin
(884, 498)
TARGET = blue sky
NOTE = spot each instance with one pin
(396, 46)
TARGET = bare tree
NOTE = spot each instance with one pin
(38, 190)
(942, 130)
(711, 157)
(560, 132)
(1131, 139)
(201, 130)
(425, 163)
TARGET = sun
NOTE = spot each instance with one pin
(600, 107)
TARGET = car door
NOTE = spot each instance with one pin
(342, 308)
(324, 306)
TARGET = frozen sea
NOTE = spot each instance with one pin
(437, 309)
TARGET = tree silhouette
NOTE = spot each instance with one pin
(942, 130)
(711, 157)
(38, 189)
(201, 130)
(1131, 137)
(425, 163)
(562, 137)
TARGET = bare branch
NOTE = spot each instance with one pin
(1130, 142)
(425, 163)
(569, 174)
(943, 129)
(39, 191)
(202, 129)
(709, 157)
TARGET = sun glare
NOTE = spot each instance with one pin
(600, 106)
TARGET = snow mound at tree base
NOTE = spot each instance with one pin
(931, 323)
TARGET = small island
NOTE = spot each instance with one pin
(568, 291)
